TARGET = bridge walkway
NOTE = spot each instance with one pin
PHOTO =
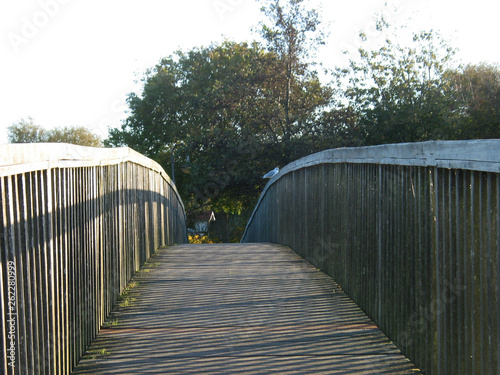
(238, 308)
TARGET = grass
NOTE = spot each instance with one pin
(148, 267)
(133, 284)
(110, 323)
(127, 302)
(96, 353)
(125, 299)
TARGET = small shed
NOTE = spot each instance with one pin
(202, 221)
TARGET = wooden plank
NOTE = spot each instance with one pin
(246, 308)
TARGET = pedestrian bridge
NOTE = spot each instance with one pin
(365, 261)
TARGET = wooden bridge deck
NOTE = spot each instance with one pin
(245, 308)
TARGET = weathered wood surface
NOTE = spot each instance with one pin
(475, 155)
(246, 308)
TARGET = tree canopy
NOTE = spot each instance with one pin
(399, 91)
(417, 92)
(475, 90)
(26, 131)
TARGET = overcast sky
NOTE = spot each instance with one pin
(73, 62)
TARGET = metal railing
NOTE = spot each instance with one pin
(77, 223)
(411, 232)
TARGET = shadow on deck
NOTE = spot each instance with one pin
(244, 308)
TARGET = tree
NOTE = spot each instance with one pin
(338, 127)
(26, 131)
(77, 135)
(476, 93)
(294, 35)
(214, 103)
(232, 111)
(400, 91)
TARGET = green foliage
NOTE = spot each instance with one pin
(475, 90)
(74, 135)
(26, 131)
(294, 35)
(415, 92)
(232, 111)
(400, 91)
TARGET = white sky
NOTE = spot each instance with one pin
(73, 62)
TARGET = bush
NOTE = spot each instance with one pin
(198, 239)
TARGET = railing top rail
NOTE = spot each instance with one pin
(478, 155)
(28, 157)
